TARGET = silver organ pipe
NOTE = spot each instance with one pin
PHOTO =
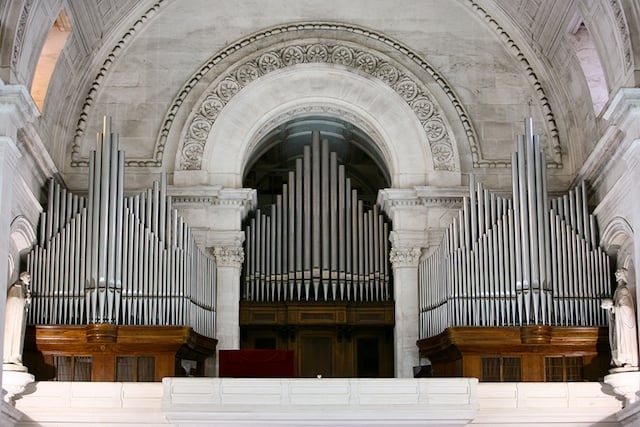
(525, 261)
(108, 258)
(335, 249)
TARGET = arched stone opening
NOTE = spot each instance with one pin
(275, 155)
(300, 90)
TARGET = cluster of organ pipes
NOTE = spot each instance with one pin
(108, 258)
(524, 261)
(318, 243)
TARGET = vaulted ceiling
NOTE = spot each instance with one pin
(485, 65)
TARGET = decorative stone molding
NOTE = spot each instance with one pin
(554, 141)
(623, 29)
(364, 61)
(367, 62)
(229, 256)
(450, 198)
(405, 257)
(19, 38)
(90, 99)
(625, 102)
(241, 198)
(435, 129)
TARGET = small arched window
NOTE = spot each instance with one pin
(586, 52)
(53, 45)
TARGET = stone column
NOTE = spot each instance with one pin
(405, 275)
(16, 110)
(229, 259)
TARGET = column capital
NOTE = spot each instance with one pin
(228, 256)
(405, 257)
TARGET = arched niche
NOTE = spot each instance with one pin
(297, 90)
(618, 241)
(22, 238)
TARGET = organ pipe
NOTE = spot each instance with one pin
(529, 260)
(336, 250)
(107, 258)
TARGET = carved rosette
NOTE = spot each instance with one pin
(229, 256)
(235, 80)
(405, 257)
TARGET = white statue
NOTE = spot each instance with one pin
(18, 300)
(623, 336)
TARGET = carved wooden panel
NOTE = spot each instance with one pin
(328, 339)
(466, 351)
(104, 343)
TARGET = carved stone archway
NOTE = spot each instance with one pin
(216, 151)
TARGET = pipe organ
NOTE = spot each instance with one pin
(317, 242)
(111, 259)
(529, 260)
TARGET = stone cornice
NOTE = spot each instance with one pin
(622, 114)
(17, 106)
(243, 198)
(392, 198)
(625, 102)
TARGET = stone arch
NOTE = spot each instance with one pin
(367, 102)
(300, 57)
(358, 49)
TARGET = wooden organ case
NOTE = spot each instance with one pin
(513, 292)
(120, 290)
(316, 277)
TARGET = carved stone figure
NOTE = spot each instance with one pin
(18, 300)
(623, 337)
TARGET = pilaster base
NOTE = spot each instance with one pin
(625, 384)
(14, 381)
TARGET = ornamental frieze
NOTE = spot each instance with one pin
(366, 62)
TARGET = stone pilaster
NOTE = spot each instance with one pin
(613, 169)
(419, 216)
(16, 110)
